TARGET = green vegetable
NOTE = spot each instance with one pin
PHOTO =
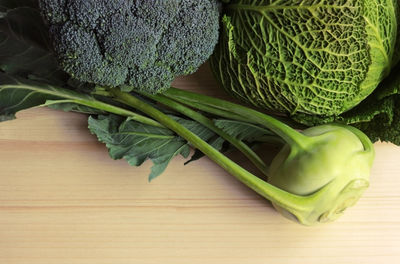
(11, 4)
(137, 142)
(127, 134)
(334, 160)
(24, 46)
(319, 172)
(378, 116)
(316, 176)
(143, 44)
(35, 80)
(339, 158)
(17, 94)
(306, 57)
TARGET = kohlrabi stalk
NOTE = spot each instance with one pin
(205, 121)
(314, 178)
(230, 110)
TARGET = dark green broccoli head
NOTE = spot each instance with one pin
(141, 43)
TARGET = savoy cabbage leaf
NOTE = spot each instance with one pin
(378, 116)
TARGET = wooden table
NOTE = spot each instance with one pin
(64, 201)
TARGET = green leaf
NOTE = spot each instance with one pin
(25, 48)
(242, 130)
(71, 106)
(378, 116)
(25, 52)
(218, 143)
(137, 142)
(6, 5)
(25, 25)
(17, 94)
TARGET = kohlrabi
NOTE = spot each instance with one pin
(314, 178)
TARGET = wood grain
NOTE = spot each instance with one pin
(63, 200)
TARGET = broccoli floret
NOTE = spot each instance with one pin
(143, 44)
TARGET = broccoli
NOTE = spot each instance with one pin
(135, 44)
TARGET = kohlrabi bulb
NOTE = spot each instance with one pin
(319, 173)
(331, 172)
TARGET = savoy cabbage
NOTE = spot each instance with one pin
(312, 57)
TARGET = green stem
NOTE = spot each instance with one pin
(72, 96)
(293, 203)
(210, 109)
(240, 145)
(119, 111)
(271, 139)
(213, 105)
(93, 103)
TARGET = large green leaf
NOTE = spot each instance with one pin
(25, 48)
(136, 142)
(27, 64)
(242, 130)
(12, 4)
(17, 94)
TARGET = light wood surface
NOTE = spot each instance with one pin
(64, 201)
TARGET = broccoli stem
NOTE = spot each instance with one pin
(297, 205)
(240, 145)
(220, 107)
